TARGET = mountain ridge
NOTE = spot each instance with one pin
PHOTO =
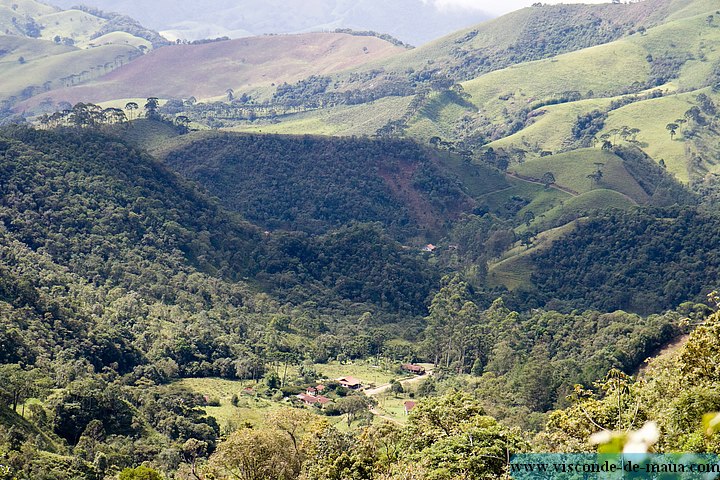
(222, 17)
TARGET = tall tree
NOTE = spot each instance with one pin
(151, 106)
(131, 107)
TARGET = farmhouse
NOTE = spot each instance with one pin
(315, 390)
(429, 248)
(312, 400)
(416, 369)
(350, 382)
(409, 405)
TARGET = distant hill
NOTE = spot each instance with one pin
(43, 48)
(627, 91)
(412, 21)
(75, 26)
(245, 65)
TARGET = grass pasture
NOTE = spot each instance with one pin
(538, 199)
(370, 374)
(477, 179)
(599, 199)
(254, 409)
(51, 63)
(571, 170)
(75, 24)
(514, 269)
(651, 117)
(343, 120)
(250, 409)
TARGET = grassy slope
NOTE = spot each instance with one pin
(499, 39)
(604, 70)
(598, 73)
(51, 62)
(540, 198)
(247, 64)
(571, 170)
(74, 24)
(477, 180)
(121, 38)
(652, 116)
(340, 121)
(552, 129)
(513, 270)
(501, 34)
(28, 7)
(439, 116)
(599, 199)
(685, 35)
(15, 47)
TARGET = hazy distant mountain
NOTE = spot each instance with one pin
(412, 21)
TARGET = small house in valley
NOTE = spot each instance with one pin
(350, 382)
(416, 369)
(409, 405)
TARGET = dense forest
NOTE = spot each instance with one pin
(512, 249)
(120, 279)
(646, 261)
(313, 184)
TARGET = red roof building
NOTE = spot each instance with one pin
(312, 399)
(350, 382)
(416, 369)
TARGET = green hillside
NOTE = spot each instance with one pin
(43, 49)
(516, 267)
(53, 67)
(336, 121)
(491, 46)
(571, 170)
(580, 206)
(189, 283)
(313, 184)
(534, 106)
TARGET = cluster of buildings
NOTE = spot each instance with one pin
(314, 395)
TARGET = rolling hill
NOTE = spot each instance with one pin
(533, 103)
(247, 65)
(51, 66)
(43, 48)
(214, 18)
(76, 26)
(589, 103)
(463, 55)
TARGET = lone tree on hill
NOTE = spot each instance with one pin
(548, 179)
(672, 128)
(528, 218)
(130, 107)
(598, 174)
(151, 107)
(526, 239)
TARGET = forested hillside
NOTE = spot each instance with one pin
(329, 257)
(313, 184)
